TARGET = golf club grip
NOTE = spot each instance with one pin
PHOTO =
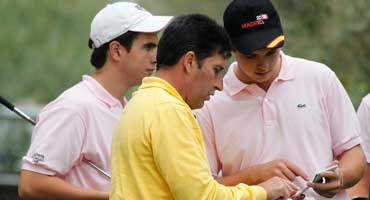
(6, 103)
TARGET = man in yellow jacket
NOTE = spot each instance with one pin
(158, 150)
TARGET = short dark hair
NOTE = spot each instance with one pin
(99, 55)
(192, 32)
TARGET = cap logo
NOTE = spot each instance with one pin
(260, 19)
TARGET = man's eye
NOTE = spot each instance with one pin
(149, 47)
(217, 70)
(271, 53)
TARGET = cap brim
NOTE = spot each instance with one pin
(250, 42)
(152, 24)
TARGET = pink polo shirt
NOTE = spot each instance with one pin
(78, 124)
(363, 114)
(305, 117)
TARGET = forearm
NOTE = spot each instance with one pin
(248, 176)
(33, 185)
(361, 189)
(257, 174)
(352, 165)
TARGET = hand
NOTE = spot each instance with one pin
(298, 197)
(332, 185)
(277, 188)
(280, 168)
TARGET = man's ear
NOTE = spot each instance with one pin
(189, 61)
(116, 50)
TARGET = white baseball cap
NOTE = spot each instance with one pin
(118, 18)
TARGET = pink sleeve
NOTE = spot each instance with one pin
(363, 114)
(56, 141)
(205, 122)
(343, 121)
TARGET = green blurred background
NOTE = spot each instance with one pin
(44, 42)
(43, 47)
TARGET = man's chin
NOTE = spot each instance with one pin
(197, 106)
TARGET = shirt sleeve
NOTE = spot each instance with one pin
(179, 154)
(56, 141)
(343, 121)
(205, 122)
(363, 114)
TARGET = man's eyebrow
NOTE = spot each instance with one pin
(219, 66)
(272, 50)
(150, 44)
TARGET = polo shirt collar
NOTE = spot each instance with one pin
(286, 71)
(233, 85)
(100, 92)
(161, 83)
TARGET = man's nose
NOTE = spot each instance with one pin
(153, 56)
(261, 62)
(219, 83)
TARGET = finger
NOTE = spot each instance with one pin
(290, 189)
(296, 170)
(292, 185)
(279, 173)
(290, 175)
(325, 189)
(330, 175)
(334, 162)
(298, 197)
(326, 194)
(333, 185)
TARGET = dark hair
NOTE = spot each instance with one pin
(99, 55)
(193, 32)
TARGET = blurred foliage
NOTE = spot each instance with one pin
(15, 137)
(43, 47)
(43, 43)
(14, 142)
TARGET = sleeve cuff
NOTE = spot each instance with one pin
(339, 149)
(259, 192)
(26, 165)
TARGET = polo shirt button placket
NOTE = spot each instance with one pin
(268, 112)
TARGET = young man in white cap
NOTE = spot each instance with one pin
(279, 115)
(361, 190)
(77, 127)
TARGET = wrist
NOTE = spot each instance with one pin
(253, 176)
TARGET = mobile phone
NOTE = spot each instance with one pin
(319, 179)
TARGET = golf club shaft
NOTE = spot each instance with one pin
(97, 168)
(16, 110)
(11, 107)
(24, 116)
